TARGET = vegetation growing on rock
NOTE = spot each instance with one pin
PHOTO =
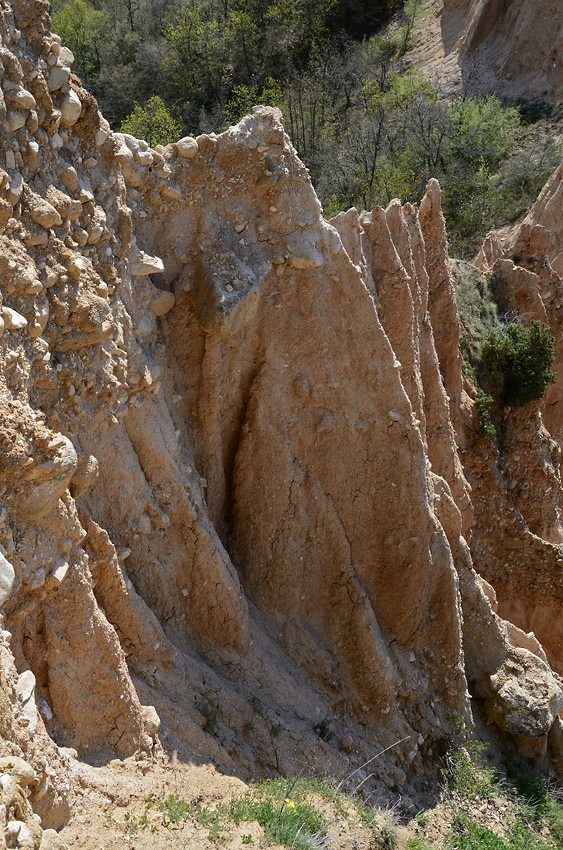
(519, 361)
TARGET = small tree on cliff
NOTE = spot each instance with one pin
(519, 361)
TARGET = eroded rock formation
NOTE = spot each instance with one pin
(231, 439)
(513, 47)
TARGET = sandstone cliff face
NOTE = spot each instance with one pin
(511, 46)
(230, 459)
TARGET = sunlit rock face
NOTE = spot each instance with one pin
(238, 457)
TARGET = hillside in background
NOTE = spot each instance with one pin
(377, 98)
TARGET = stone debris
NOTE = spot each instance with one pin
(13, 321)
(145, 264)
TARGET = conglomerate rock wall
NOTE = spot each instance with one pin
(237, 464)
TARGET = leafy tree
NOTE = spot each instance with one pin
(153, 123)
(482, 129)
(84, 30)
(198, 54)
(243, 98)
(480, 133)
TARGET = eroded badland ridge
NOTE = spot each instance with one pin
(241, 465)
(513, 47)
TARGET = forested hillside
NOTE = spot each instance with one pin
(367, 123)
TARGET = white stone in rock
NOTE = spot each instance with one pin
(100, 137)
(16, 120)
(57, 576)
(55, 119)
(13, 831)
(25, 838)
(57, 141)
(42, 316)
(144, 525)
(25, 686)
(44, 213)
(163, 303)
(16, 188)
(37, 238)
(145, 325)
(7, 576)
(144, 264)
(187, 147)
(71, 107)
(151, 719)
(54, 479)
(144, 157)
(44, 709)
(58, 76)
(51, 840)
(86, 195)
(95, 234)
(1, 326)
(310, 260)
(37, 579)
(10, 160)
(76, 267)
(60, 572)
(13, 321)
(70, 178)
(22, 98)
(80, 236)
(123, 154)
(131, 177)
(66, 57)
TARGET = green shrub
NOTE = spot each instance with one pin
(466, 774)
(539, 803)
(475, 836)
(211, 712)
(483, 402)
(174, 810)
(519, 360)
(294, 824)
(477, 308)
